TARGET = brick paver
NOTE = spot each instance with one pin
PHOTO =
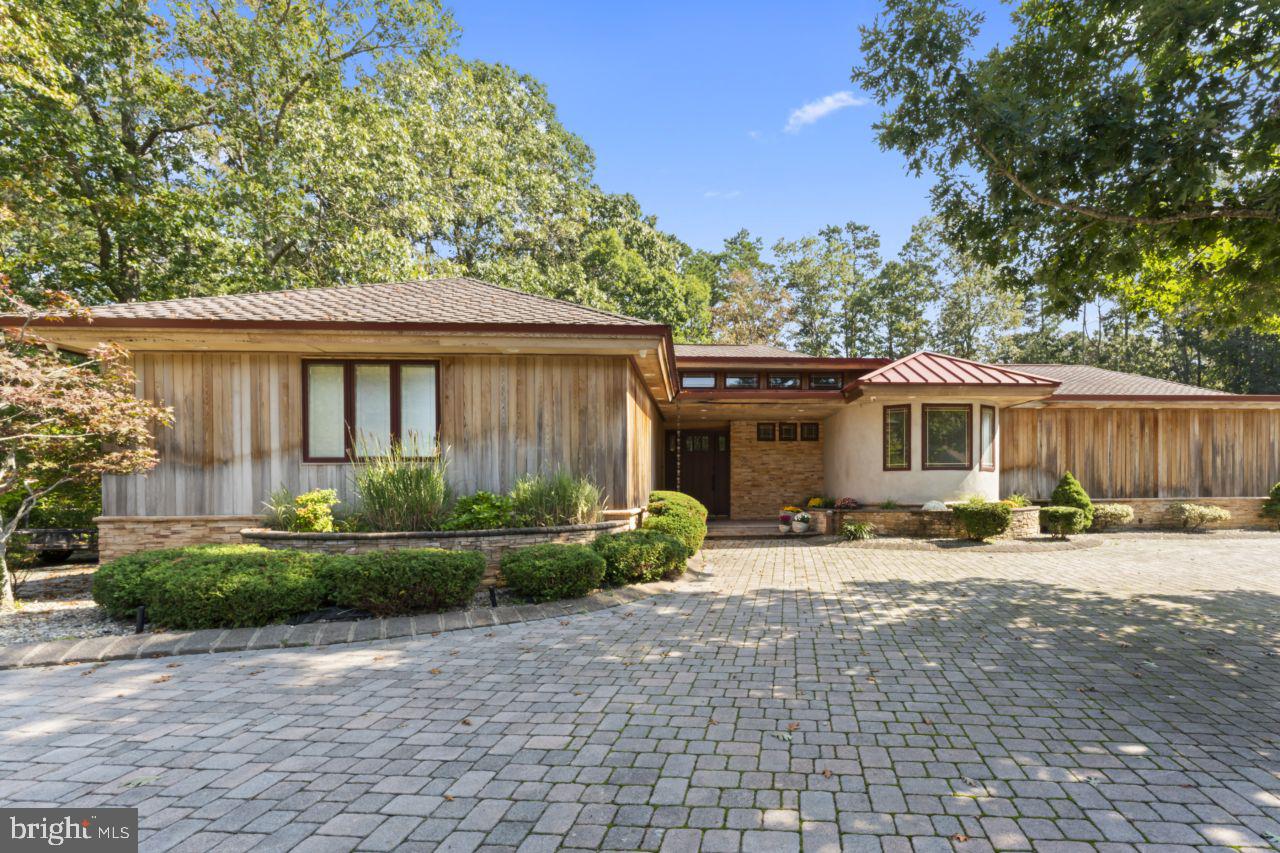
(787, 697)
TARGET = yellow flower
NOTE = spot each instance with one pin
(791, 509)
(815, 502)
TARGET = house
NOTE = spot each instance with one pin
(284, 388)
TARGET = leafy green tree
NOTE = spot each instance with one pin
(1110, 147)
(754, 310)
(821, 272)
(903, 293)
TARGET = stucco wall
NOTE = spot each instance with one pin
(854, 462)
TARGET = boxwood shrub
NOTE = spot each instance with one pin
(232, 586)
(1111, 515)
(551, 570)
(983, 520)
(1195, 516)
(639, 556)
(407, 580)
(1062, 521)
(123, 585)
(679, 515)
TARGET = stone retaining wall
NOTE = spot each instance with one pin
(1153, 513)
(492, 543)
(119, 535)
(917, 522)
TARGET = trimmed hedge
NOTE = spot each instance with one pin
(232, 586)
(551, 570)
(1271, 508)
(1062, 521)
(1069, 492)
(123, 585)
(639, 556)
(983, 520)
(678, 515)
(1110, 515)
(408, 580)
(1196, 516)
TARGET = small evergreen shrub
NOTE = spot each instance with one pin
(1111, 515)
(1195, 516)
(481, 511)
(551, 571)
(890, 504)
(1271, 508)
(639, 556)
(123, 585)
(680, 516)
(1063, 521)
(538, 500)
(1070, 493)
(858, 530)
(407, 580)
(983, 520)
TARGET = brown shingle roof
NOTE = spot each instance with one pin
(1084, 380)
(735, 351)
(931, 368)
(440, 301)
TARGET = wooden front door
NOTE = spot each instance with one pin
(698, 465)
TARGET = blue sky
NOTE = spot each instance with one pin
(687, 107)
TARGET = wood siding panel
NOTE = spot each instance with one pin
(1141, 453)
(238, 429)
(644, 441)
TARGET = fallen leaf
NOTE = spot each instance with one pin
(826, 774)
(791, 727)
(172, 665)
(466, 722)
(959, 838)
(141, 780)
(163, 679)
(435, 671)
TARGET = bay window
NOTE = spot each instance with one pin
(357, 408)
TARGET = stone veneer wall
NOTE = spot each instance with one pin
(119, 535)
(765, 476)
(917, 522)
(492, 543)
(1153, 513)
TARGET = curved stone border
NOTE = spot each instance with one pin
(942, 546)
(259, 535)
(168, 643)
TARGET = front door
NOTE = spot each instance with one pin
(698, 465)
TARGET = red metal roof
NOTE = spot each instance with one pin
(931, 368)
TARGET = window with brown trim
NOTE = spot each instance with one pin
(808, 432)
(352, 408)
(897, 438)
(766, 432)
(784, 381)
(786, 432)
(825, 381)
(947, 433)
(697, 380)
(742, 381)
(987, 438)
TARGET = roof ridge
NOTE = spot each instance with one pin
(615, 315)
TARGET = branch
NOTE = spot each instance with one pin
(1120, 218)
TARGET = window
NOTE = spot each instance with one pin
(825, 381)
(948, 436)
(786, 432)
(809, 432)
(350, 405)
(697, 380)
(766, 432)
(987, 438)
(897, 438)
(784, 381)
(742, 380)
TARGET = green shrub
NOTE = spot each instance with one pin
(858, 530)
(1070, 493)
(1195, 516)
(890, 504)
(983, 520)
(1271, 508)
(232, 586)
(313, 511)
(401, 488)
(405, 580)
(639, 556)
(123, 585)
(538, 500)
(1017, 500)
(1062, 521)
(1111, 515)
(481, 511)
(678, 515)
(279, 509)
(550, 571)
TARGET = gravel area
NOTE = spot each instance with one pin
(55, 603)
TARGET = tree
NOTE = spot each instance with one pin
(63, 422)
(822, 271)
(1111, 147)
(754, 310)
(903, 291)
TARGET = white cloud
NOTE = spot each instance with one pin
(722, 193)
(753, 134)
(821, 108)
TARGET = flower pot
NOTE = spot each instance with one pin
(784, 528)
(799, 526)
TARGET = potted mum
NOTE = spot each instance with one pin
(784, 522)
(800, 522)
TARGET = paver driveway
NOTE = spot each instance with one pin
(791, 696)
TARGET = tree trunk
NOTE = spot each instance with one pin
(6, 581)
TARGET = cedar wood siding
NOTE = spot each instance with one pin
(1141, 452)
(237, 434)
